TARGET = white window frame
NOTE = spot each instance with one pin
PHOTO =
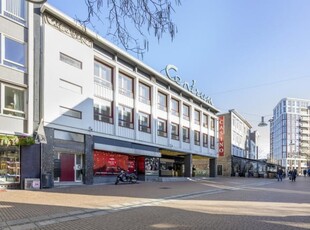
(205, 140)
(161, 106)
(11, 15)
(162, 132)
(205, 120)
(186, 134)
(123, 87)
(197, 119)
(175, 135)
(197, 137)
(212, 142)
(122, 122)
(101, 78)
(144, 127)
(142, 98)
(186, 116)
(10, 63)
(12, 111)
(175, 111)
(102, 116)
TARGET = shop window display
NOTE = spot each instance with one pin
(152, 166)
(109, 163)
(9, 167)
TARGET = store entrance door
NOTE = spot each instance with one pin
(219, 170)
(66, 167)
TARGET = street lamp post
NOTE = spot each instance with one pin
(37, 1)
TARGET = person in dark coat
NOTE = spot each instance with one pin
(280, 174)
(294, 175)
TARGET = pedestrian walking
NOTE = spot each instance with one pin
(309, 172)
(280, 174)
(305, 172)
(290, 174)
(294, 175)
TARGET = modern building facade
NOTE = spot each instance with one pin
(237, 146)
(253, 150)
(16, 92)
(290, 133)
(104, 110)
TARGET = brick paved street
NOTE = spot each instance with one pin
(220, 203)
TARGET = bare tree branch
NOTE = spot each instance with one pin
(130, 19)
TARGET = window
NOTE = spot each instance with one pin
(162, 101)
(103, 74)
(14, 53)
(144, 94)
(104, 111)
(144, 123)
(70, 86)
(186, 135)
(212, 123)
(186, 112)
(14, 101)
(125, 117)
(125, 85)
(162, 128)
(14, 9)
(70, 61)
(205, 120)
(69, 136)
(212, 142)
(175, 107)
(174, 131)
(205, 140)
(70, 112)
(197, 138)
(197, 117)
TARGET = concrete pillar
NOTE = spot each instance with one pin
(213, 169)
(88, 177)
(188, 165)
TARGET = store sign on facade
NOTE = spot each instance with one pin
(221, 135)
(189, 87)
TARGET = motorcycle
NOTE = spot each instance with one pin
(126, 177)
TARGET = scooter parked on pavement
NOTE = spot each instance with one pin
(126, 177)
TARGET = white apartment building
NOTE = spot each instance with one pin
(234, 144)
(104, 110)
(291, 133)
(16, 90)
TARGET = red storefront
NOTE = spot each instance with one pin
(108, 164)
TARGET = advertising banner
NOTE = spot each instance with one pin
(221, 135)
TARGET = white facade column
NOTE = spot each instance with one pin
(154, 124)
(216, 136)
(181, 123)
(200, 129)
(169, 119)
(30, 69)
(115, 96)
(191, 122)
(135, 106)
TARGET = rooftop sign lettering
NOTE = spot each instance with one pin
(189, 87)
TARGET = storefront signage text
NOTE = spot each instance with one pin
(189, 87)
(221, 136)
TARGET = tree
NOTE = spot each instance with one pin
(126, 16)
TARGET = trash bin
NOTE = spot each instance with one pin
(47, 180)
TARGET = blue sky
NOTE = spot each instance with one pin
(245, 54)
